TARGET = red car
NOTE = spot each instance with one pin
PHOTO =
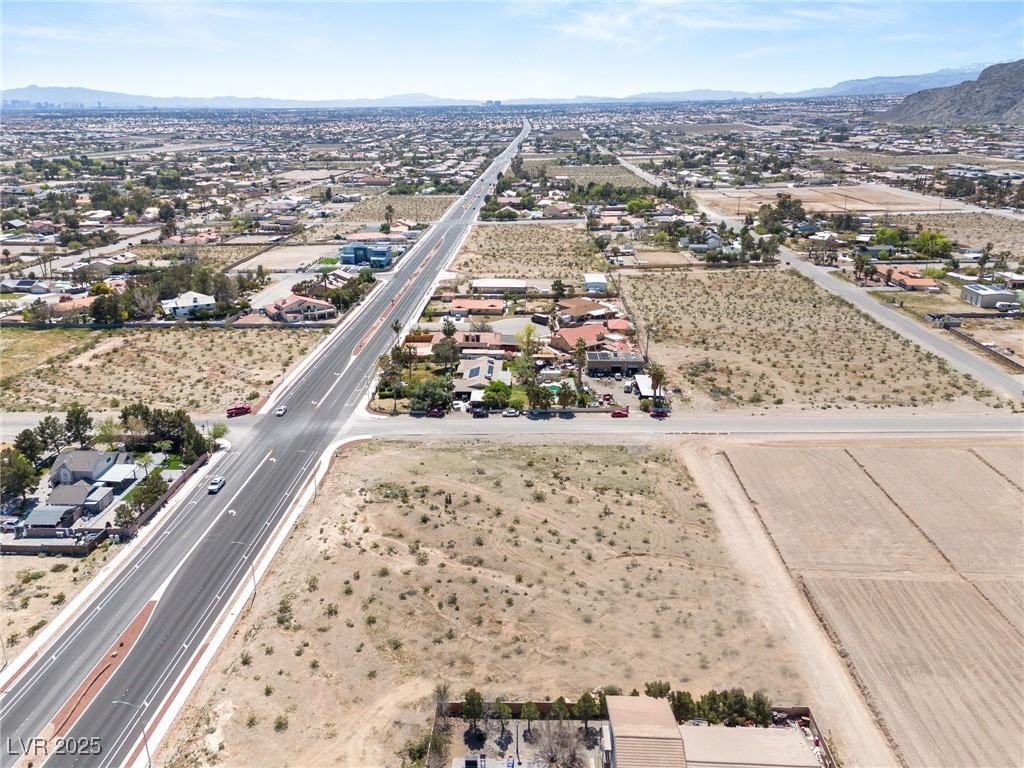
(435, 413)
(620, 414)
(659, 413)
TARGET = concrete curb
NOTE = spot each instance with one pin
(172, 704)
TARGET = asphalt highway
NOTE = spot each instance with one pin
(203, 551)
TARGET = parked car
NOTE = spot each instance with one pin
(510, 413)
(480, 413)
(620, 414)
(659, 413)
(435, 413)
(215, 484)
(618, 377)
(281, 411)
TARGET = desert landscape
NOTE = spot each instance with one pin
(556, 568)
(424, 208)
(855, 198)
(198, 369)
(916, 574)
(538, 250)
(36, 589)
(773, 338)
(886, 160)
(970, 230)
(214, 256)
(618, 175)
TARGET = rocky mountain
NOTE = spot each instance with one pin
(997, 96)
(86, 98)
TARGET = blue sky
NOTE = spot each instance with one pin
(490, 49)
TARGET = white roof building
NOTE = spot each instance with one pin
(186, 303)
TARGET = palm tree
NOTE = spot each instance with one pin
(566, 394)
(579, 359)
(982, 263)
(657, 374)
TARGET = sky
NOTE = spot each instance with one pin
(490, 49)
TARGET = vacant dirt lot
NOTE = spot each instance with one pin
(886, 161)
(971, 230)
(866, 198)
(23, 350)
(200, 370)
(736, 337)
(217, 256)
(584, 174)
(36, 589)
(290, 258)
(416, 207)
(912, 570)
(551, 251)
(519, 587)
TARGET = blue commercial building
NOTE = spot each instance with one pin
(376, 255)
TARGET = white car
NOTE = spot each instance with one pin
(216, 484)
(281, 411)
(511, 413)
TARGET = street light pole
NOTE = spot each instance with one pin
(145, 738)
(252, 572)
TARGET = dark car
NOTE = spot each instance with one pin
(435, 413)
(659, 413)
(480, 414)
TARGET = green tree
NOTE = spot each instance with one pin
(982, 263)
(78, 423)
(125, 517)
(218, 432)
(106, 310)
(585, 709)
(429, 394)
(761, 709)
(389, 215)
(558, 290)
(579, 359)
(28, 444)
(446, 352)
(860, 262)
(502, 712)
(497, 395)
(52, 432)
(559, 709)
(108, 432)
(472, 707)
(657, 374)
(934, 245)
(529, 713)
(683, 706)
(17, 473)
(566, 394)
(657, 689)
(890, 236)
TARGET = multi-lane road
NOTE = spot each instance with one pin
(185, 574)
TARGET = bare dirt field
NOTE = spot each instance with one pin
(291, 258)
(863, 198)
(912, 570)
(421, 208)
(201, 370)
(660, 259)
(22, 351)
(971, 230)
(36, 589)
(555, 569)
(563, 251)
(886, 161)
(217, 256)
(584, 174)
(773, 338)
(1006, 333)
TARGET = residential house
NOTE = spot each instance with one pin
(576, 310)
(76, 464)
(187, 303)
(475, 374)
(477, 307)
(560, 210)
(565, 339)
(909, 279)
(499, 287)
(92, 497)
(295, 309)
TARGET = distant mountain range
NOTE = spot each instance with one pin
(91, 99)
(997, 96)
